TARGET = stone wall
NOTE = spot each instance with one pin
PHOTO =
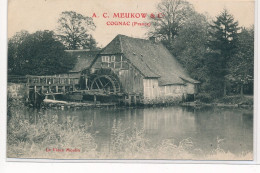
(16, 91)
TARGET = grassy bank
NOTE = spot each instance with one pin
(242, 101)
(237, 99)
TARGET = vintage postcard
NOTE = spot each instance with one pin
(131, 79)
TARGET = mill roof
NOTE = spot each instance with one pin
(152, 59)
(84, 58)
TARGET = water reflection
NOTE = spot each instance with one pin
(204, 126)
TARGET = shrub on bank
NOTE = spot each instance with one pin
(204, 97)
(236, 99)
(27, 139)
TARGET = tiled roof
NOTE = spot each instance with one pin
(152, 59)
(84, 59)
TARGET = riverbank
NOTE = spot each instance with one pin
(236, 101)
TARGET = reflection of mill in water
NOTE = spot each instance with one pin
(204, 126)
(156, 119)
(158, 124)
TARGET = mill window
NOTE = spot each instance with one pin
(113, 58)
(105, 58)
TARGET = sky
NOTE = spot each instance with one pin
(33, 15)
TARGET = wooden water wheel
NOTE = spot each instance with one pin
(105, 83)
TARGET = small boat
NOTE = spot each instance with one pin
(71, 100)
(54, 98)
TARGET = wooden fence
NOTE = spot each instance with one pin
(55, 84)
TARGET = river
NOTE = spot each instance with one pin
(207, 128)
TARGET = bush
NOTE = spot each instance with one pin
(204, 97)
(236, 99)
(25, 139)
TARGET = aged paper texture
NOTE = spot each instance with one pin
(130, 79)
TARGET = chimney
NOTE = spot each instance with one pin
(152, 39)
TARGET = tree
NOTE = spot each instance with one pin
(185, 33)
(223, 43)
(241, 65)
(37, 54)
(13, 44)
(175, 12)
(73, 31)
(190, 47)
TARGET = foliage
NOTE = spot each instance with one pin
(32, 138)
(74, 31)
(125, 141)
(175, 13)
(13, 45)
(37, 54)
(215, 83)
(204, 97)
(189, 47)
(213, 52)
(223, 40)
(223, 35)
(185, 33)
(241, 65)
(237, 99)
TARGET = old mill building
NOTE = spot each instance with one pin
(130, 70)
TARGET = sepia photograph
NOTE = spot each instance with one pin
(131, 80)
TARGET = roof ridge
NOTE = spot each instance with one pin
(136, 38)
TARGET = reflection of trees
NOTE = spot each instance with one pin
(165, 120)
(202, 125)
(227, 124)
